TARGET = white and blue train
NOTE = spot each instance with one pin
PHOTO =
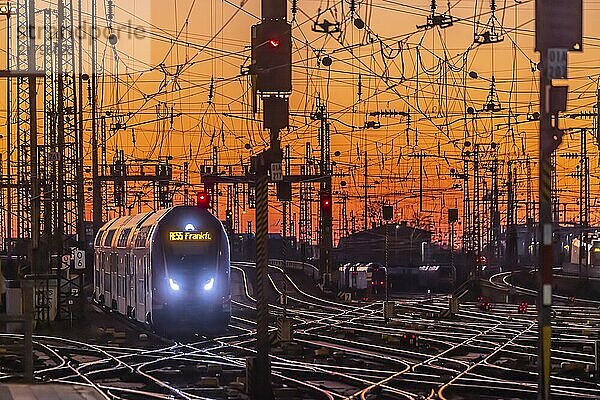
(168, 268)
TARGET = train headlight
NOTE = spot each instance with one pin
(174, 285)
(208, 285)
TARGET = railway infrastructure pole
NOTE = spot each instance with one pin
(272, 68)
(546, 248)
(558, 30)
(261, 384)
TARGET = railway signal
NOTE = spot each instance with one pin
(326, 202)
(523, 307)
(325, 243)
(409, 340)
(203, 200)
(272, 56)
(558, 30)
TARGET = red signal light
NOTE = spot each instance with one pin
(274, 43)
(326, 201)
(203, 200)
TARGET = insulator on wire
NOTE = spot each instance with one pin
(211, 90)
(110, 10)
(294, 7)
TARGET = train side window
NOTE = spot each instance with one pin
(114, 258)
(142, 237)
(132, 265)
(121, 286)
(123, 236)
(98, 239)
(106, 282)
(141, 293)
(146, 273)
(109, 238)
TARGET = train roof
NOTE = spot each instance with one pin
(140, 227)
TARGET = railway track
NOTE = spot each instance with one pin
(341, 351)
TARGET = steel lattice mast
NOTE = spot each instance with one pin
(70, 184)
(49, 156)
(23, 164)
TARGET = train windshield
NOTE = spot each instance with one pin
(190, 256)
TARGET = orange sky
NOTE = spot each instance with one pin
(402, 68)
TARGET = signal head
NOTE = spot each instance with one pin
(203, 200)
(326, 200)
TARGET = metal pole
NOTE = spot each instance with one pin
(421, 182)
(546, 242)
(35, 187)
(27, 294)
(9, 192)
(581, 242)
(586, 198)
(96, 185)
(262, 376)
(452, 244)
(366, 192)
(80, 138)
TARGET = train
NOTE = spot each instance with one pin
(587, 262)
(363, 280)
(168, 269)
(435, 278)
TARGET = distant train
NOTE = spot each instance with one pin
(367, 281)
(168, 268)
(585, 257)
(437, 278)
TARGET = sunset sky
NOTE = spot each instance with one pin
(180, 47)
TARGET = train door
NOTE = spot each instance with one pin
(140, 307)
(131, 285)
(148, 285)
(114, 272)
(106, 280)
(122, 292)
(97, 274)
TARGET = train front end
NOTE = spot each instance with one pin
(191, 268)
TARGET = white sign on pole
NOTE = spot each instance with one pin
(557, 64)
(276, 172)
(79, 259)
